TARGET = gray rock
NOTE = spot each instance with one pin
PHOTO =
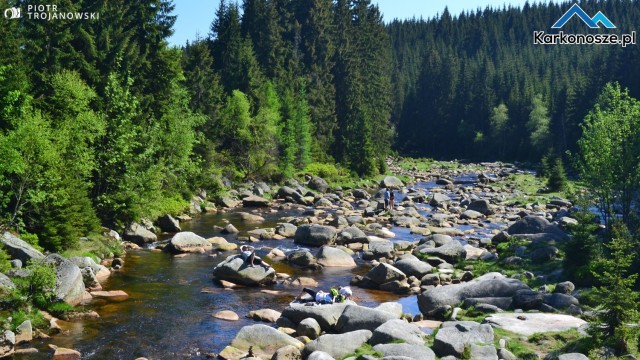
(320, 355)
(85, 261)
(545, 254)
(332, 257)
(7, 343)
(89, 278)
(255, 201)
(560, 301)
(288, 352)
(138, 234)
(412, 266)
(360, 194)
(236, 270)
(527, 299)
(415, 352)
(6, 283)
(24, 332)
(229, 229)
(227, 202)
(433, 300)
(391, 307)
(566, 288)
(168, 224)
(319, 184)
(535, 225)
(263, 339)
(187, 241)
(451, 252)
(397, 330)
(454, 336)
(487, 308)
(287, 230)
(439, 200)
(339, 345)
(438, 239)
(405, 221)
(391, 182)
(315, 235)
(303, 259)
(481, 206)
(471, 215)
(310, 328)
(379, 249)
(289, 194)
(18, 248)
(505, 354)
(356, 317)
(572, 356)
(384, 273)
(350, 235)
(16, 264)
(69, 283)
(326, 315)
(483, 352)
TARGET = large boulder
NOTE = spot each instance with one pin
(332, 257)
(414, 352)
(397, 330)
(439, 200)
(236, 270)
(528, 324)
(350, 235)
(481, 206)
(6, 283)
(18, 248)
(255, 201)
(7, 343)
(326, 315)
(454, 336)
(69, 282)
(491, 285)
(451, 252)
(318, 184)
(483, 352)
(356, 317)
(338, 345)
(290, 195)
(379, 248)
(186, 241)
(264, 340)
(391, 182)
(287, 230)
(138, 234)
(573, 356)
(384, 273)
(315, 235)
(84, 262)
(168, 224)
(536, 225)
(303, 258)
(412, 266)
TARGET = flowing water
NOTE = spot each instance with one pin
(169, 312)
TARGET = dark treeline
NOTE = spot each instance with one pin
(475, 86)
(102, 122)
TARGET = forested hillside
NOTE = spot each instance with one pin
(102, 122)
(475, 86)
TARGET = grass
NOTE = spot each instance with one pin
(365, 349)
(97, 246)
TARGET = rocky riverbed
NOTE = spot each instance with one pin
(433, 253)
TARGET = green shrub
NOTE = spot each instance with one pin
(557, 180)
(328, 172)
(31, 239)
(39, 284)
(4, 260)
(59, 308)
(20, 316)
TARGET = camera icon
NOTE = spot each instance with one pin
(12, 13)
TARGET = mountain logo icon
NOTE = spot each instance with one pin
(592, 22)
(12, 13)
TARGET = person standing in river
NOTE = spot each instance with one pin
(387, 196)
(392, 199)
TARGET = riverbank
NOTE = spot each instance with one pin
(433, 209)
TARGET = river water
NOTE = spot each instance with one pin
(169, 312)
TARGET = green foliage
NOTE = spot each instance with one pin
(607, 159)
(328, 172)
(538, 123)
(365, 349)
(557, 180)
(39, 285)
(582, 249)
(34, 315)
(58, 309)
(618, 299)
(4, 260)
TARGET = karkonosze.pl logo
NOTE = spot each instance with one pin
(49, 12)
(595, 22)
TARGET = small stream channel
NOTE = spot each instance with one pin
(172, 299)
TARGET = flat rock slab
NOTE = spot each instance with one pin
(115, 295)
(227, 315)
(534, 322)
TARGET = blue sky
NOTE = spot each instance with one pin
(195, 16)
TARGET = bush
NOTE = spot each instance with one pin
(557, 177)
(4, 260)
(59, 308)
(40, 283)
(328, 172)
